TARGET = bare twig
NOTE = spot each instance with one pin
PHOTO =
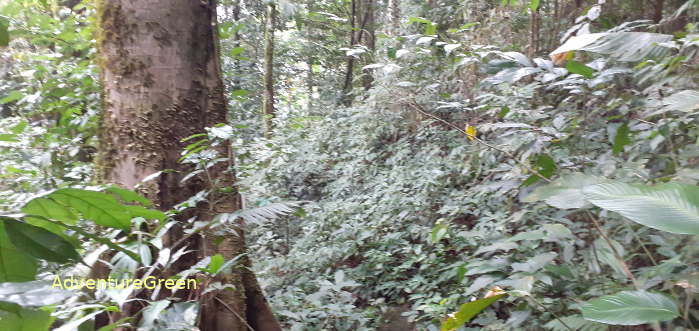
(627, 271)
(421, 110)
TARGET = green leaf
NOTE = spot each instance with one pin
(431, 29)
(565, 192)
(98, 207)
(8, 137)
(15, 265)
(621, 139)
(579, 68)
(240, 94)
(534, 5)
(630, 308)
(215, 264)
(546, 166)
(4, 32)
(15, 318)
(418, 20)
(150, 214)
(668, 207)
(12, 96)
(439, 231)
(128, 195)
(48, 208)
(39, 242)
(468, 311)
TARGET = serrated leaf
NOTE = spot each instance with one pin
(630, 308)
(668, 207)
(468, 311)
(39, 243)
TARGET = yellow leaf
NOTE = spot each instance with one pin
(470, 132)
(561, 58)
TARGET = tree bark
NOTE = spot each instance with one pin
(268, 79)
(394, 16)
(346, 98)
(161, 83)
(368, 39)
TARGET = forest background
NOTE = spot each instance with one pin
(400, 165)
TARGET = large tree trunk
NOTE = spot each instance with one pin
(268, 79)
(161, 83)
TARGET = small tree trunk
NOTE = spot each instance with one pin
(346, 97)
(368, 33)
(268, 81)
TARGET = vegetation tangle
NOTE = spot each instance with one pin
(392, 165)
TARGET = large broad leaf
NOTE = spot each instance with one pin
(15, 266)
(48, 208)
(623, 46)
(668, 207)
(565, 192)
(630, 308)
(468, 311)
(35, 293)
(39, 242)
(98, 207)
(15, 318)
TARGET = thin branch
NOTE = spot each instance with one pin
(550, 312)
(480, 141)
(614, 250)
